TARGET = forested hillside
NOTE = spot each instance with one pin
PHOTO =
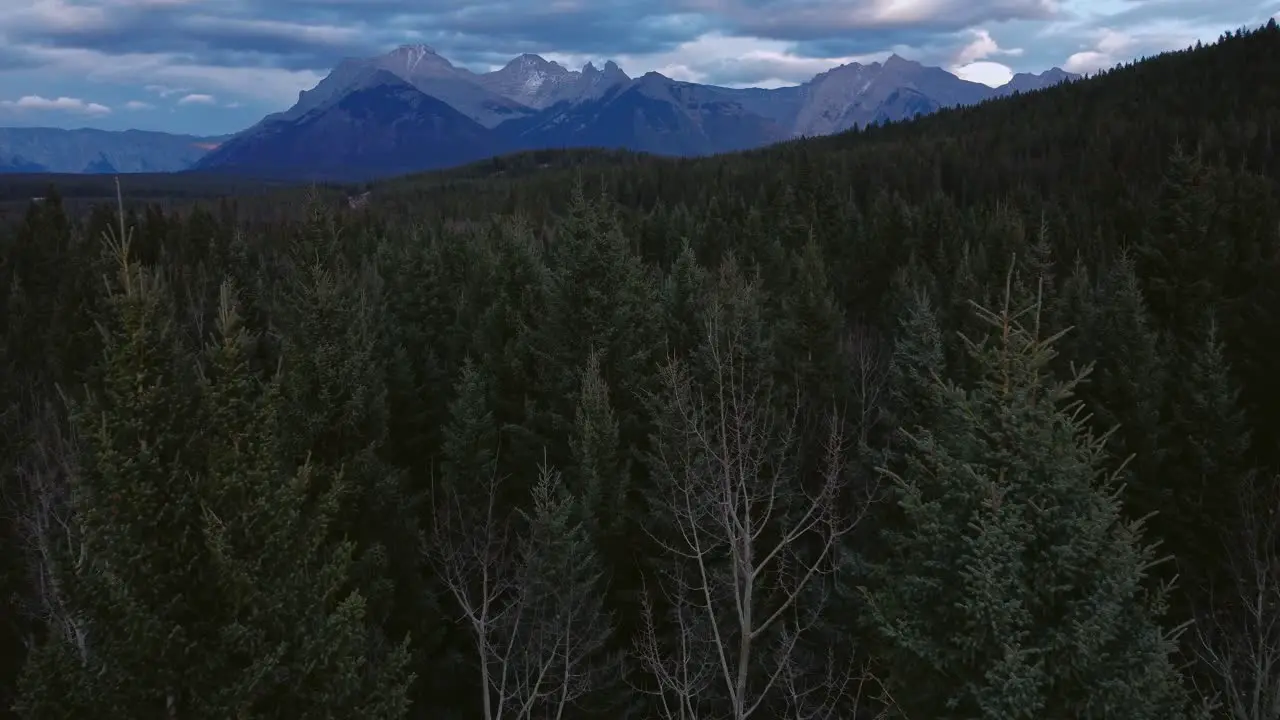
(971, 417)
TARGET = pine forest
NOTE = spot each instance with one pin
(973, 417)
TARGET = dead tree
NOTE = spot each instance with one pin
(1238, 637)
(750, 540)
(525, 585)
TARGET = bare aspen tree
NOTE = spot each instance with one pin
(754, 539)
(526, 585)
(811, 695)
(44, 511)
(682, 669)
(1239, 636)
(869, 360)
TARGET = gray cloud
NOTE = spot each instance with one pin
(264, 51)
(830, 20)
(15, 58)
(206, 39)
(1208, 13)
(268, 32)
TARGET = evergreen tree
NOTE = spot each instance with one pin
(292, 639)
(1207, 471)
(336, 411)
(599, 298)
(1126, 391)
(602, 478)
(811, 362)
(331, 315)
(1016, 590)
(470, 446)
(134, 639)
(917, 361)
(1181, 260)
(684, 292)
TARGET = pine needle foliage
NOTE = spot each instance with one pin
(1016, 588)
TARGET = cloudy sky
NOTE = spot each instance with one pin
(214, 66)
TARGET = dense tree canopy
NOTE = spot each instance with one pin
(941, 419)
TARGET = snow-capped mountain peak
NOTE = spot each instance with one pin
(412, 61)
(539, 83)
(413, 54)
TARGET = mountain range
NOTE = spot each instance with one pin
(412, 110)
(56, 150)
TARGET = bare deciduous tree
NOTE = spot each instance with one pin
(752, 540)
(1238, 637)
(682, 666)
(869, 357)
(44, 512)
(526, 587)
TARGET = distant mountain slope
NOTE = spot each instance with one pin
(19, 164)
(128, 151)
(417, 65)
(385, 126)
(101, 166)
(854, 95)
(532, 103)
(1030, 82)
(652, 114)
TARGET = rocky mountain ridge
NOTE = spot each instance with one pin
(534, 103)
(368, 113)
(87, 150)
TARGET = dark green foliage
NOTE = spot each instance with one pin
(1016, 588)
(917, 362)
(1208, 471)
(1126, 391)
(290, 640)
(602, 478)
(262, 489)
(135, 544)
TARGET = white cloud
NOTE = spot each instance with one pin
(970, 61)
(1113, 47)
(197, 99)
(985, 72)
(324, 34)
(165, 91)
(138, 105)
(57, 15)
(64, 104)
(1109, 50)
(981, 47)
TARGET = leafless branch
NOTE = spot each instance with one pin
(537, 623)
(682, 668)
(869, 357)
(1239, 637)
(755, 537)
(44, 511)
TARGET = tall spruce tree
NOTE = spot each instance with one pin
(132, 561)
(1015, 589)
(292, 638)
(600, 298)
(1208, 469)
(1126, 391)
(334, 336)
